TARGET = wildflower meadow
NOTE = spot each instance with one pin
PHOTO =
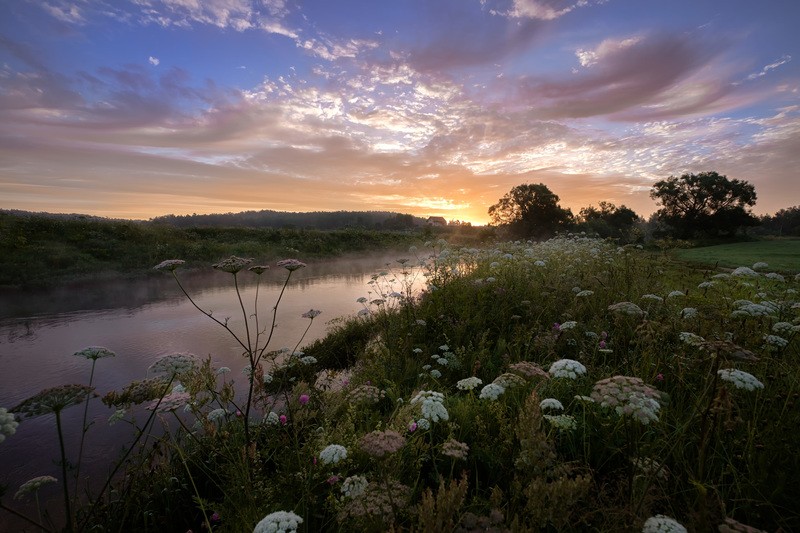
(564, 385)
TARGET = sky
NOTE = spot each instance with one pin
(140, 108)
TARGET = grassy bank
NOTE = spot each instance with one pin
(567, 385)
(41, 250)
(780, 254)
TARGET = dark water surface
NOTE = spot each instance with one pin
(142, 320)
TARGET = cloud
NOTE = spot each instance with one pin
(65, 12)
(153, 61)
(631, 74)
(772, 66)
(543, 9)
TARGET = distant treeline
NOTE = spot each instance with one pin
(322, 220)
(42, 248)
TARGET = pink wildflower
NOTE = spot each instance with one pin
(412, 427)
(304, 398)
(283, 420)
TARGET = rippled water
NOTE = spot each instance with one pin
(142, 320)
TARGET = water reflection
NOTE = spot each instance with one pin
(142, 320)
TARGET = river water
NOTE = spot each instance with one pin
(142, 320)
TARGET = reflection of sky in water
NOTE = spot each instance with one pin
(142, 320)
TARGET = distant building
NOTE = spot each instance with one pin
(436, 221)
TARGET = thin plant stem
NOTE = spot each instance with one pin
(67, 507)
(84, 430)
(200, 502)
(303, 336)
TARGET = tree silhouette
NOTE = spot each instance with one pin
(530, 210)
(704, 203)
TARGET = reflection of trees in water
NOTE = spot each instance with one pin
(21, 330)
(24, 311)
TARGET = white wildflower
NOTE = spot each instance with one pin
(662, 524)
(562, 422)
(468, 383)
(332, 454)
(354, 486)
(744, 272)
(278, 522)
(740, 379)
(491, 392)
(567, 368)
(551, 403)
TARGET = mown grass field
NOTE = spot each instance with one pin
(569, 385)
(780, 254)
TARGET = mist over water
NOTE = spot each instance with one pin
(142, 320)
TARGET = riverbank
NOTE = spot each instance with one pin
(565, 385)
(44, 251)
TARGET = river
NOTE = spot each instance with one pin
(141, 320)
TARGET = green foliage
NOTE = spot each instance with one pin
(460, 459)
(782, 255)
(705, 203)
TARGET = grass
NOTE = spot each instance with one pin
(782, 255)
(378, 427)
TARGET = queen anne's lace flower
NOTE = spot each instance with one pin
(380, 443)
(508, 380)
(169, 265)
(468, 383)
(174, 364)
(567, 368)
(278, 522)
(688, 312)
(232, 264)
(217, 415)
(740, 379)
(528, 370)
(53, 400)
(432, 405)
(491, 392)
(626, 309)
(311, 313)
(662, 524)
(455, 449)
(272, 418)
(628, 396)
(569, 324)
(551, 403)
(8, 425)
(332, 454)
(745, 272)
(584, 294)
(562, 422)
(354, 486)
(170, 402)
(675, 294)
(291, 264)
(95, 352)
(691, 339)
(33, 485)
(774, 340)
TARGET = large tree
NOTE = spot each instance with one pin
(705, 203)
(607, 220)
(530, 210)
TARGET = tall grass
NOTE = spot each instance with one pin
(564, 385)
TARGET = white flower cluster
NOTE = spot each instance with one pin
(691, 339)
(432, 405)
(468, 383)
(278, 522)
(354, 486)
(776, 341)
(688, 312)
(662, 524)
(675, 294)
(628, 396)
(567, 368)
(740, 379)
(562, 422)
(584, 294)
(653, 298)
(551, 403)
(33, 485)
(749, 309)
(745, 272)
(173, 364)
(569, 324)
(272, 418)
(332, 454)
(491, 391)
(785, 328)
(775, 276)
(626, 309)
(217, 415)
(8, 426)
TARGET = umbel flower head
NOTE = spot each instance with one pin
(628, 396)
(33, 485)
(380, 443)
(53, 400)
(278, 522)
(169, 265)
(432, 405)
(174, 364)
(567, 368)
(8, 426)
(311, 313)
(740, 379)
(95, 352)
(332, 454)
(662, 524)
(291, 264)
(232, 264)
(258, 269)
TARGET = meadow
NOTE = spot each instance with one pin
(567, 385)
(782, 254)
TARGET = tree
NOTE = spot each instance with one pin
(607, 220)
(704, 203)
(784, 222)
(530, 210)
